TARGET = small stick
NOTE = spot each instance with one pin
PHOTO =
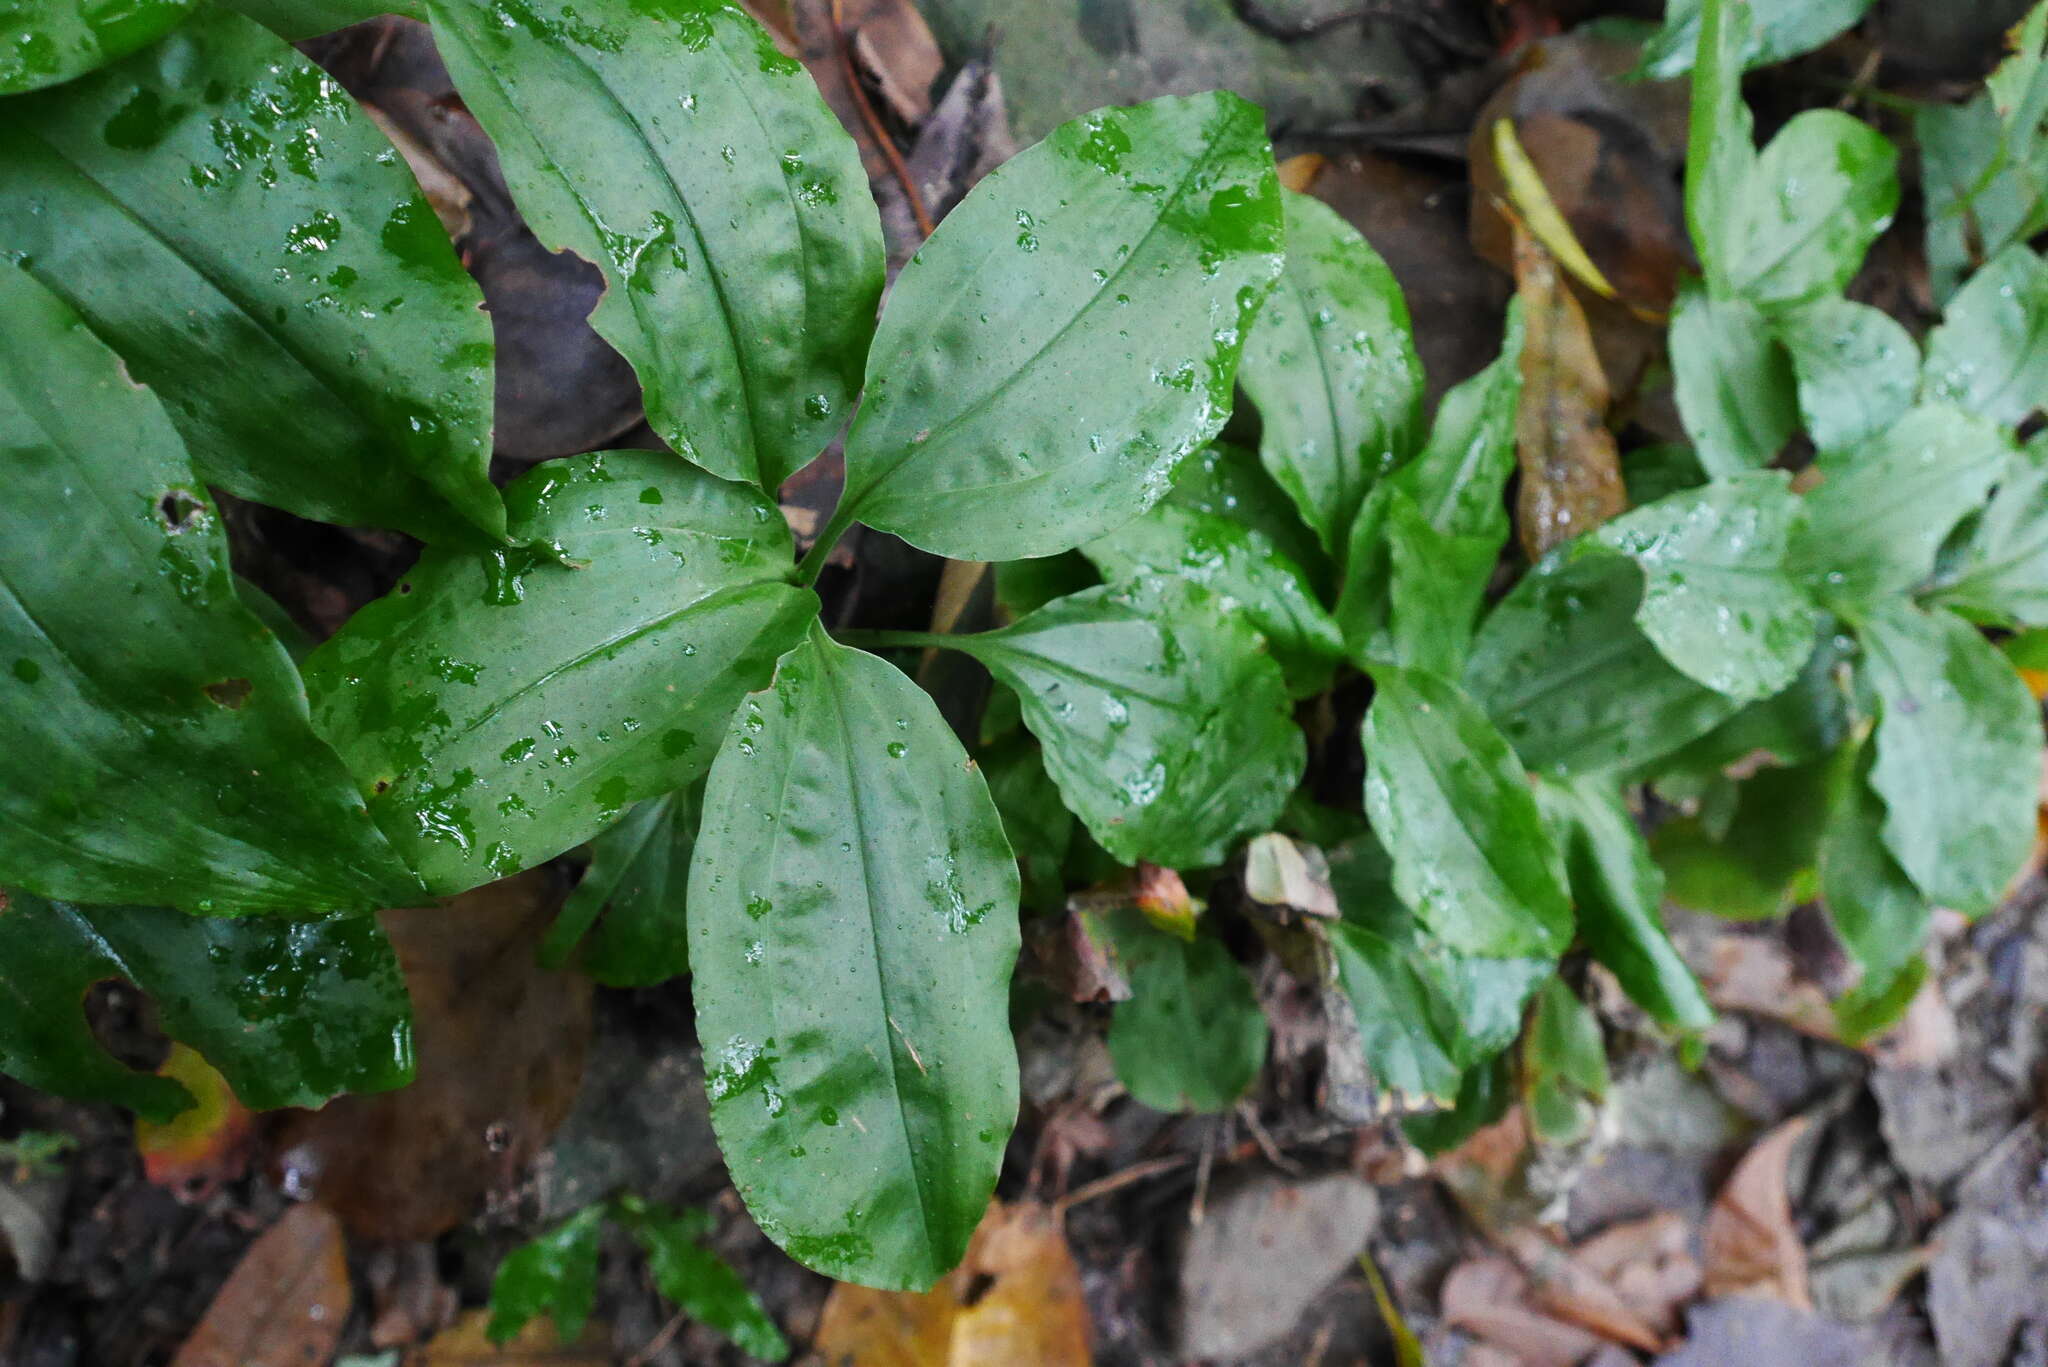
(1116, 1181)
(873, 122)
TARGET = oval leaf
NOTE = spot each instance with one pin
(853, 928)
(1990, 354)
(2002, 576)
(499, 708)
(1734, 383)
(1192, 1037)
(669, 142)
(1857, 369)
(1818, 195)
(158, 746)
(232, 224)
(46, 42)
(1069, 334)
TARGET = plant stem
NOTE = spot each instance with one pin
(896, 640)
(813, 563)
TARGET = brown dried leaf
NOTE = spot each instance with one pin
(1756, 974)
(1571, 470)
(467, 1345)
(284, 1304)
(1566, 1289)
(1751, 1245)
(499, 1044)
(1648, 1263)
(1489, 1298)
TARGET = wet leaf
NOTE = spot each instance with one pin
(1618, 891)
(1958, 754)
(1114, 268)
(1568, 623)
(1436, 583)
(1450, 802)
(1751, 1245)
(853, 931)
(1718, 601)
(238, 991)
(2001, 576)
(1407, 1023)
(1855, 369)
(1227, 481)
(47, 42)
(499, 1044)
(293, 20)
(1165, 725)
(553, 1274)
(1331, 365)
(1192, 1036)
(1884, 508)
(287, 1301)
(1734, 381)
(638, 872)
(1879, 915)
(1783, 29)
(297, 281)
(158, 746)
(500, 708)
(1989, 354)
(679, 150)
(702, 1284)
(1571, 473)
(1752, 863)
(1720, 153)
(1038, 825)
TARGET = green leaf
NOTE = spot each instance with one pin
(669, 142)
(1717, 600)
(1483, 1097)
(1958, 754)
(553, 1274)
(1879, 915)
(1166, 726)
(500, 708)
(1069, 334)
(1856, 369)
(1038, 825)
(1246, 572)
(1228, 481)
(226, 218)
(1564, 1065)
(853, 927)
(241, 992)
(294, 20)
(1817, 197)
(1884, 508)
(1803, 723)
(698, 1281)
(2002, 575)
(1654, 471)
(46, 42)
(1192, 1037)
(638, 873)
(1736, 390)
(1331, 364)
(1573, 683)
(1619, 892)
(1407, 1023)
(1450, 802)
(1720, 153)
(158, 746)
(1436, 581)
(1783, 29)
(1990, 352)
(1749, 863)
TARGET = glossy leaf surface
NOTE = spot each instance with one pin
(1783, 29)
(669, 142)
(499, 708)
(158, 746)
(853, 928)
(1990, 353)
(1331, 364)
(1856, 369)
(1720, 152)
(639, 871)
(293, 20)
(2002, 574)
(552, 1274)
(241, 992)
(226, 218)
(1165, 724)
(1192, 1037)
(1070, 333)
(1819, 194)
(1449, 800)
(47, 42)
(1734, 382)
(1958, 754)
(1227, 481)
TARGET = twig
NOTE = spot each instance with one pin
(1198, 1209)
(1265, 1142)
(873, 122)
(1116, 1181)
(660, 1341)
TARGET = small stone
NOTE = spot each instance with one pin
(1267, 1248)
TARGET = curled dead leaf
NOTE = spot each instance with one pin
(1751, 1245)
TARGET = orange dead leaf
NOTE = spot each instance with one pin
(1571, 470)
(467, 1345)
(1750, 1243)
(284, 1304)
(192, 1154)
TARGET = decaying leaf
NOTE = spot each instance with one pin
(193, 1153)
(1751, 1245)
(285, 1302)
(1571, 471)
(1287, 877)
(1015, 1298)
(1490, 1298)
(467, 1344)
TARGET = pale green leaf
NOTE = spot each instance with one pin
(1735, 385)
(1990, 353)
(1857, 369)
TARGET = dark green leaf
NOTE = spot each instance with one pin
(1483, 1097)
(1039, 826)
(1751, 863)
(1990, 353)
(1407, 1023)
(1331, 364)
(1165, 724)
(639, 870)
(297, 19)
(702, 1284)
(1884, 508)
(1803, 723)
(1450, 803)
(1435, 584)
(45, 42)
(2002, 577)
(1245, 571)
(1717, 599)
(1875, 1005)
(554, 1274)
(230, 222)
(853, 926)
(1069, 334)
(1654, 471)
(158, 747)
(1733, 381)
(1619, 891)
(1573, 683)
(1228, 481)
(1879, 915)
(1857, 369)
(1564, 1065)
(290, 1012)
(1192, 1037)
(672, 144)
(1958, 754)
(498, 709)
(1784, 28)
